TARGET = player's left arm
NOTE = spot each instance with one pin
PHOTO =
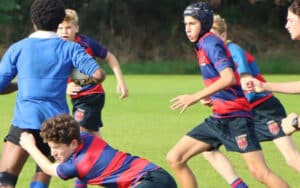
(27, 141)
(113, 63)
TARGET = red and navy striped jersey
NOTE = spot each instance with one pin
(213, 57)
(95, 162)
(246, 64)
(96, 50)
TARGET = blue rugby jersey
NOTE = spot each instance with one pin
(42, 63)
(95, 162)
(246, 64)
(213, 57)
(94, 49)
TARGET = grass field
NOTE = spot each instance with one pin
(144, 125)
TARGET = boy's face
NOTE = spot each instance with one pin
(62, 152)
(192, 28)
(293, 25)
(67, 30)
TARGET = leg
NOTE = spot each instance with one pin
(40, 179)
(222, 165)
(258, 168)
(12, 161)
(289, 150)
(178, 156)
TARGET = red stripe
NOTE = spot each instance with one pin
(114, 165)
(135, 168)
(91, 156)
(225, 107)
(236, 183)
(259, 101)
(98, 88)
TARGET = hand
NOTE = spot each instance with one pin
(183, 101)
(27, 140)
(121, 88)
(72, 88)
(206, 101)
(252, 85)
(287, 122)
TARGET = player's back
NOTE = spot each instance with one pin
(43, 67)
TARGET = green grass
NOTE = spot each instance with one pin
(144, 125)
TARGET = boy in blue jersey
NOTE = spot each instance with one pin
(91, 159)
(88, 99)
(42, 63)
(231, 122)
(266, 108)
(252, 84)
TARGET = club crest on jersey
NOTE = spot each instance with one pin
(79, 115)
(273, 127)
(242, 141)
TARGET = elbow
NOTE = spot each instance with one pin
(99, 76)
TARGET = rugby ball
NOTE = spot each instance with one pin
(80, 78)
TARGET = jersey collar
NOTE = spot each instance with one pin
(43, 34)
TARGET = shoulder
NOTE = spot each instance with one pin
(210, 41)
(85, 39)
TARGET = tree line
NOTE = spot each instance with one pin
(142, 29)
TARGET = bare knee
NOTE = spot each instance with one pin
(174, 159)
(260, 174)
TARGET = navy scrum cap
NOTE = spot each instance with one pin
(203, 12)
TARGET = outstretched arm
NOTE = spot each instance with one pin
(254, 85)
(115, 67)
(28, 143)
(284, 87)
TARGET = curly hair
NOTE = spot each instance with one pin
(47, 14)
(60, 129)
(295, 7)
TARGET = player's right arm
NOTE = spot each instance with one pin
(99, 76)
(28, 143)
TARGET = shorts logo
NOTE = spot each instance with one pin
(79, 115)
(242, 141)
(273, 127)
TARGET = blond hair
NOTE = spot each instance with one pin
(219, 24)
(71, 16)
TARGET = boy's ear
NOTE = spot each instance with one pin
(74, 143)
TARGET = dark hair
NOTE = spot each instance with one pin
(203, 12)
(47, 14)
(60, 129)
(295, 7)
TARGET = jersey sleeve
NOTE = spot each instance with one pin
(67, 170)
(79, 183)
(218, 53)
(239, 57)
(85, 63)
(98, 49)
(8, 67)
